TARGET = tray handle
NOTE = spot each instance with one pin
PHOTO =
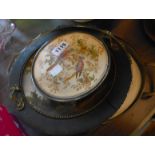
(15, 95)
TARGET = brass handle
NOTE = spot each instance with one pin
(15, 95)
(20, 104)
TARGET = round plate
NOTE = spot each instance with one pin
(105, 109)
(71, 66)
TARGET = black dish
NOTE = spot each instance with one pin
(55, 109)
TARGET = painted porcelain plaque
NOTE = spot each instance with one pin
(70, 65)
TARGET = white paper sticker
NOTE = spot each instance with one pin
(56, 70)
(60, 48)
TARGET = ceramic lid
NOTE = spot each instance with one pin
(70, 66)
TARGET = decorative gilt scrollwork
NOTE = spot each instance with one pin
(15, 95)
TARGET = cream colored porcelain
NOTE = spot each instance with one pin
(70, 65)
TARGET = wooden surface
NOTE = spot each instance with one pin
(132, 32)
(132, 120)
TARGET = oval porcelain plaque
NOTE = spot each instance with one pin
(70, 65)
